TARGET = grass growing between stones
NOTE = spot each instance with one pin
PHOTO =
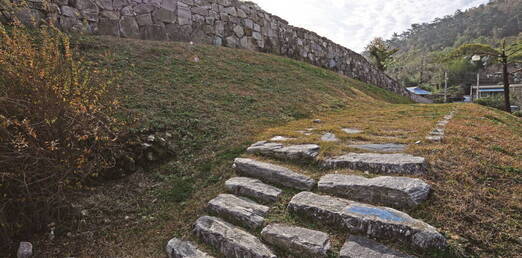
(213, 101)
(403, 124)
(475, 173)
(216, 107)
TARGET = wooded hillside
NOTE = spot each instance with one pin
(422, 46)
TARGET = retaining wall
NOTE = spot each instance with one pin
(229, 23)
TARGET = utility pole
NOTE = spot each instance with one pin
(478, 84)
(421, 79)
(445, 87)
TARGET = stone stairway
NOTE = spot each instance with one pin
(352, 204)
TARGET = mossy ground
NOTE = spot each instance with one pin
(229, 98)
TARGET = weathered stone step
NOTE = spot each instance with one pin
(398, 192)
(237, 210)
(297, 240)
(351, 131)
(361, 247)
(278, 150)
(230, 240)
(379, 163)
(377, 147)
(177, 248)
(274, 174)
(253, 188)
(359, 218)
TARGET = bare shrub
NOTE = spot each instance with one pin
(56, 127)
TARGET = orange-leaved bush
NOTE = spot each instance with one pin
(56, 127)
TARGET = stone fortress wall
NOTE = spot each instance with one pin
(229, 23)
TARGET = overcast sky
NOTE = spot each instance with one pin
(354, 23)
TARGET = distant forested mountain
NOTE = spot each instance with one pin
(421, 47)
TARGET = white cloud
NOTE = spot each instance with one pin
(353, 23)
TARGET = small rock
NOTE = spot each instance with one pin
(127, 217)
(318, 121)
(351, 130)
(329, 137)
(85, 213)
(25, 250)
(151, 138)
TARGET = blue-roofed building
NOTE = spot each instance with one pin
(418, 91)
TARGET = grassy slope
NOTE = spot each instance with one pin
(476, 173)
(214, 107)
(230, 98)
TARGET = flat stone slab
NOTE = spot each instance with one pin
(329, 137)
(273, 174)
(177, 248)
(384, 147)
(237, 210)
(361, 247)
(437, 131)
(280, 139)
(230, 240)
(359, 218)
(436, 138)
(297, 240)
(351, 131)
(292, 152)
(253, 188)
(397, 192)
(379, 163)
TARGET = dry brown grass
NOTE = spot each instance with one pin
(467, 192)
(476, 177)
(380, 123)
